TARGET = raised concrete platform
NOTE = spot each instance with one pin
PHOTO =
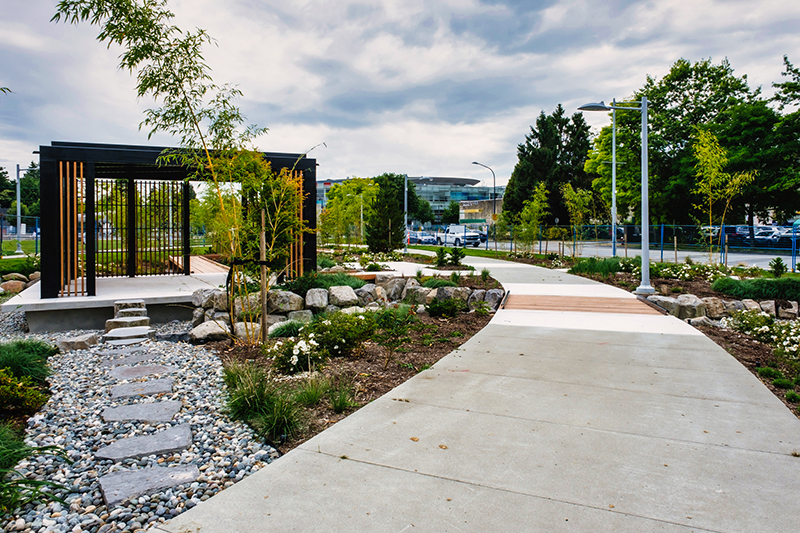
(166, 297)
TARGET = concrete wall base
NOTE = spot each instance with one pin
(95, 317)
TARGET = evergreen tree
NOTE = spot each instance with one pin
(553, 153)
(384, 227)
(451, 213)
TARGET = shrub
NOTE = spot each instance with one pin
(296, 354)
(792, 397)
(341, 397)
(455, 277)
(373, 267)
(783, 383)
(27, 358)
(323, 261)
(340, 334)
(777, 267)
(435, 283)
(446, 308)
(290, 328)
(769, 373)
(326, 281)
(482, 308)
(485, 275)
(591, 265)
(676, 290)
(456, 255)
(418, 275)
(441, 257)
(18, 395)
(277, 420)
(760, 288)
(301, 285)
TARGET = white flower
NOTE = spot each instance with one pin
(293, 360)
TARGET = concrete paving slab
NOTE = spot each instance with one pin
(683, 483)
(142, 388)
(655, 324)
(120, 486)
(402, 501)
(125, 342)
(568, 289)
(143, 332)
(733, 424)
(146, 412)
(170, 440)
(140, 371)
(139, 357)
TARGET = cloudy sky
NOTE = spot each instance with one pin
(407, 86)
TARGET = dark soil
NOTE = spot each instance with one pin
(373, 372)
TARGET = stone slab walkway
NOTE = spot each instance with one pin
(544, 421)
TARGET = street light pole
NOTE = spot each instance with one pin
(644, 287)
(405, 215)
(494, 201)
(613, 178)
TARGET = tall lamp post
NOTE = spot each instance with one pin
(494, 200)
(644, 287)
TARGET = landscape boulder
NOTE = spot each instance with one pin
(332, 308)
(35, 275)
(790, 313)
(221, 301)
(476, 298)
(250, 304)
(14, 276)
(203, 298)
(81, 342)
(209, 331)
(342, 296)
(365, 294)
(247, 331)
(317, 299)
(410, 283)
(690, 306)
(394, 288)
(669, 304)
(284, 301)
(416, 295)
(198, 316)
(731, 306)
(453, 293)
(751, 305)
(336, 269)
(354, 310)
(493, 297)
(702, 321)
(714, 307)
(383, 277)
(13, 286)
(305, 316)
(768, 306)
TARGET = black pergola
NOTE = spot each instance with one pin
(93, 190)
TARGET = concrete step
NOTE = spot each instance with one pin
(140, 371)
(128, 304)
(139, 333)
(131, 311)
(118, 487)
(170, 440)
(145, 412)
(142, 388)
(126, 322)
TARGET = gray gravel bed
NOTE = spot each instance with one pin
(224, 451)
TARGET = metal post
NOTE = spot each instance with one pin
(614, 179)
(662, 242)
(36, 236)
(19, 216)
(644, 287)
(794, 247)
(405, 215)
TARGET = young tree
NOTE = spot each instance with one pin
(715, 185)
(578, 203)
(342, 215)
(553, 153)
(384, 227)
(533, 214)
(451, 213)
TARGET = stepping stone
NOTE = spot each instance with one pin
(122, 351)
(146, 412)
(133, 372)
(82, 342)
(118, 487)
(128, 360)
(142, 388)
(170, 440)
(131, 311)
(126, 322)
(139, 333)
(124, 342)
(128, 304)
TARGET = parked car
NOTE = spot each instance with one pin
(456, 235)
(421, 237)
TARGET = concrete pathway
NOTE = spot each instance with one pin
(544, 421)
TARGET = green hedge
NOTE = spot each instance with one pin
(759, 288)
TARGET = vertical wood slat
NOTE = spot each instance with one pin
(61, 224)
(91, 241)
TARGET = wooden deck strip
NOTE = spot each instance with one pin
(579, 304)
(199, 264)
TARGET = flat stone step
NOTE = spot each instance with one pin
(128, 304)
(131, 311)
(125, 342)
(140, 371)
(142, 388)
(139, 357)
(170, 440)
(146, 412)
(136, 332)
(126, 322)
(118, 487)
(121, 351)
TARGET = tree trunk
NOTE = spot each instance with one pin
(263, 258)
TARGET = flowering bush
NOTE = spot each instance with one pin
(783, 335)
(296, 354)
(680, 271)
(367, 257)
(340, 334)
